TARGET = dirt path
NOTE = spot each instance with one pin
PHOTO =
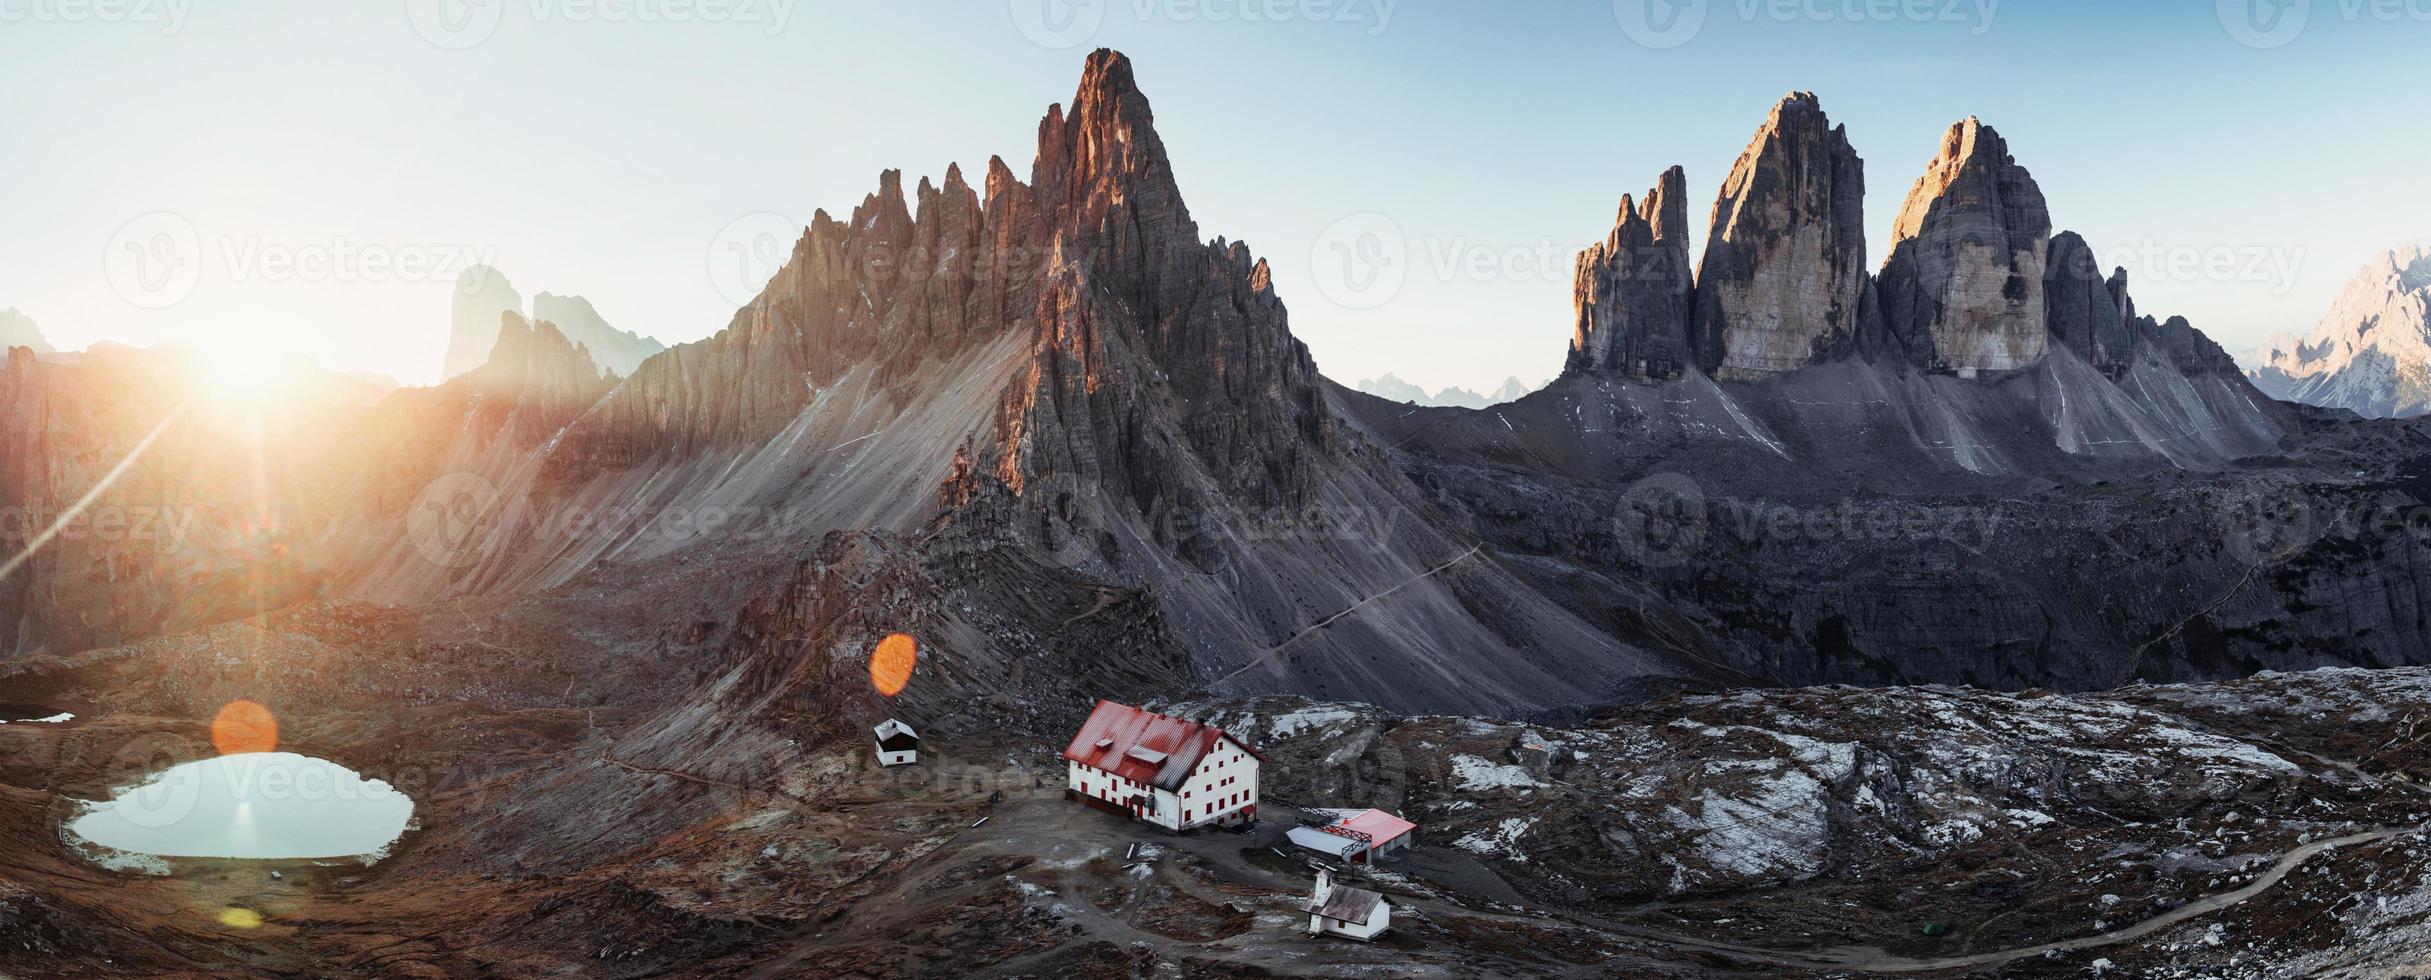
(1268, 656)
(1875, 960)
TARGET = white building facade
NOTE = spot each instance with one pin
(1160, 770)
(1340, 910)
(895, 743)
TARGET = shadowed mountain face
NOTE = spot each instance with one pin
(1048, 427)
(2371, 353)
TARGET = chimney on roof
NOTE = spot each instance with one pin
(1325, 888)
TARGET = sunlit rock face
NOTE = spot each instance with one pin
(1633, 289)
(251, 805)
(2371, 353)
(1963, 290)
(1783, 278)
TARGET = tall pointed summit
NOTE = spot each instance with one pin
(1783, 279)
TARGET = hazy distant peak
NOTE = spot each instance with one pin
(1392, 388)
(483, 293)
(2370, 353)
(19, 330)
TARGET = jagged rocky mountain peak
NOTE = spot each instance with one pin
(1783, 279)
(1963, 288)
(1632, 291)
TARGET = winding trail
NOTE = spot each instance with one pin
(1268, 656)
(1867, 958)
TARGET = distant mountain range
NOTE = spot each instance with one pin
(2371, 353)
(483, 294)
(1085, 425)
(1391, 388)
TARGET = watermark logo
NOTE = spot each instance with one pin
(155, 260)
(746, 253)
(455, 24)
(1661, 520)
(1361, 261)
(2261, 525)
(1660, 24)
(154, 802)
(2265, 24)
(2268, 24)
(1058, 24)
(444, 522)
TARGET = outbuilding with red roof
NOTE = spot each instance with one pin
(1161, 770)
(1359, 836)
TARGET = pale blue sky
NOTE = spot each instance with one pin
(605, 157)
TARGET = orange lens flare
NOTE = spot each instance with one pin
(243, 726)
(890, 666)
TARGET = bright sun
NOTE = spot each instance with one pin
(244, 376)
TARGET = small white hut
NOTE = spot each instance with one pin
(897, 744)
(1340, 910)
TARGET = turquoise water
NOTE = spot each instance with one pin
(251, 805)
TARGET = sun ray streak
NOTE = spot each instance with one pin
(76, 509)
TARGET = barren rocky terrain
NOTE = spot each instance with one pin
(585, 808)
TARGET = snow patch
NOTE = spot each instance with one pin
(1475, 773)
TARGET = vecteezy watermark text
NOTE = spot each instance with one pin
(164, 528)
(2266, 24)
(156, 260)
(169, 14)
(1666, 519)
(1071, 23)
(1671, 23)
(460, 24)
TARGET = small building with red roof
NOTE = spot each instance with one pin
(1358, 836)
(1161, 770)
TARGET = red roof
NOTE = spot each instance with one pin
(1379, 826)
(1145, 747)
